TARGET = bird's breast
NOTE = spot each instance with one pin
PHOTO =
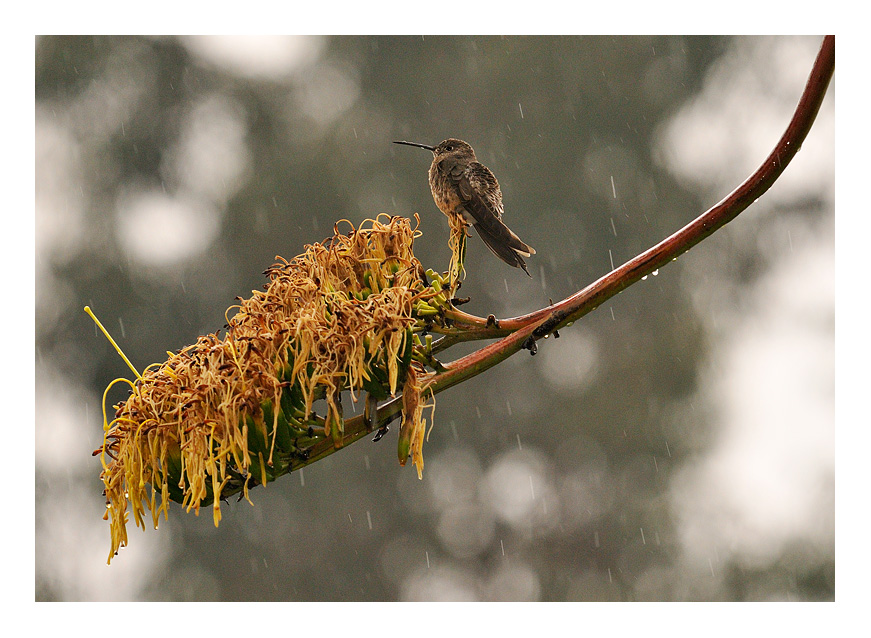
(444, 192)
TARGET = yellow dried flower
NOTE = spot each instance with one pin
(231, 412)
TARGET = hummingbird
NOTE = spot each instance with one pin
(462, 186)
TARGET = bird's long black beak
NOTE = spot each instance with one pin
(429, 148)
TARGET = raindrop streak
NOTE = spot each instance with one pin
(613, 318)
(301, 478)
(519, 444)
(667, 450)
(789, 236)
(613, 188)
(350, 520)
(369, 519)
(521, 110)
(454, 431)
(610, 580)
(596, 540)
(711, 565)
(355, 134)
(531, 487)
(506, 284)
(611, 257)
(613, 228)
(643, 542)
(427, 559)
(508, 405)
(502, 545)
(366, 461)
(121, 323)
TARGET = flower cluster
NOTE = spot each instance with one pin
(234, 411)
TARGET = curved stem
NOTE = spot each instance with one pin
(521, 332)
(586, 300)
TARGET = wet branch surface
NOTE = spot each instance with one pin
(522, 332)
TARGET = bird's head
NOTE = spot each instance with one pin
(449, 147)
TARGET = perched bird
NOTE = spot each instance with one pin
(462, 186)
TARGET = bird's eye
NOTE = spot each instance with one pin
(449, 147)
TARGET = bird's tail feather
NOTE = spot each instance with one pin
(505, 244)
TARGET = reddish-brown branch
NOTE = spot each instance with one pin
(521, 332)
(543, 322)
(584, 301)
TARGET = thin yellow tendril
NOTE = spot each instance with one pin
(106, 424)
(112, 341)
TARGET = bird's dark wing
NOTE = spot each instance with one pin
(482, 199)
(480, 190)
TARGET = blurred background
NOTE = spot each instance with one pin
(676, 444)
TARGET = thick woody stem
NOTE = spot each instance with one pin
(521, 332)
(469, 327)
